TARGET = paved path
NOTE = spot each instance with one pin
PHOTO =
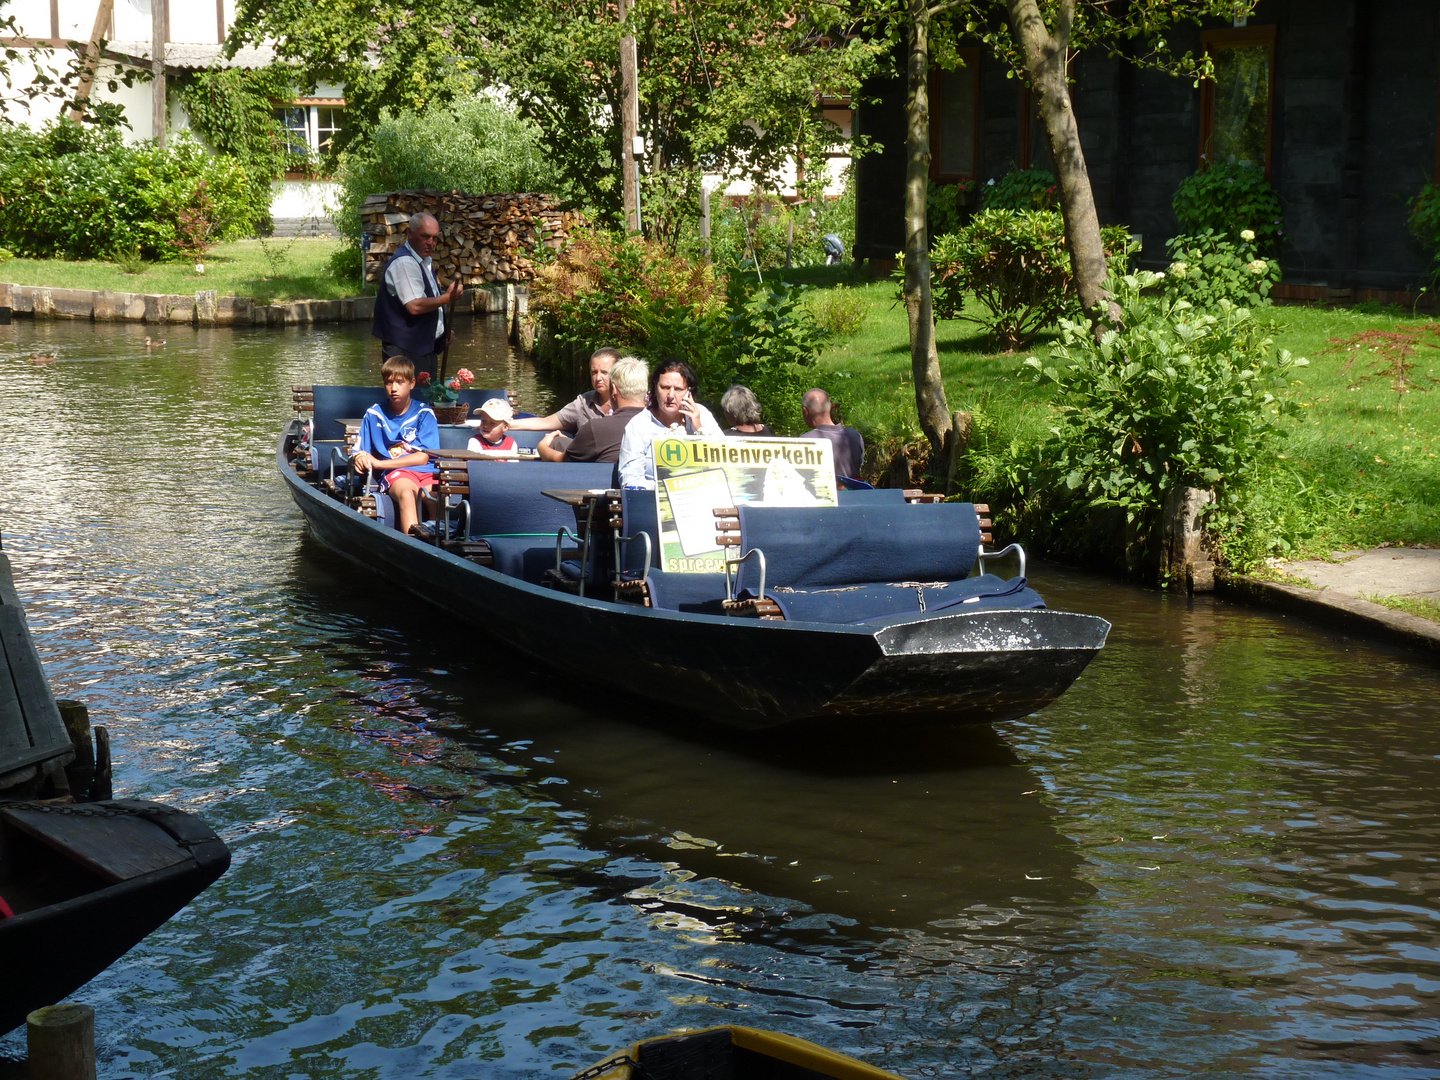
(1377, 572)
(1338, 589)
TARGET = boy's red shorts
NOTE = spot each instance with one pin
(425, 480)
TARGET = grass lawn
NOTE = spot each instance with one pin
(267, 270)
(1360, 466)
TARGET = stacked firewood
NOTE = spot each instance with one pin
(483, 238)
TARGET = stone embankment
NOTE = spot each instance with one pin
(207, 308)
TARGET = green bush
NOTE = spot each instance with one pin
(1228, 199)
(613, 289)
(1018, 266)
(840, 312)
(947, 206)
(83, 194)
(1207, 267)
(1022, 189)
(1178, 398)
(476, 145)
(1425, 222)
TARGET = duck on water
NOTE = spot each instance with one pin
(867, 607)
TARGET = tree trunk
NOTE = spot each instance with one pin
(930, 401)
(1044, 53)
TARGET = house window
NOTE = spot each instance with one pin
(955, 126)
(327, 126)
(1237, 106)
(295, 120)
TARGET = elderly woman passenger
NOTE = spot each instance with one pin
(742, 413)
(673, 411)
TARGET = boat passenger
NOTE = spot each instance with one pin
(599, 440)
(495, 417)
(393, 439)
(593, 403)
(848, 443)
(742, 413)
(673, 410)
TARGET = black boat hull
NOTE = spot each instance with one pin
(50, 950)
(965, 668)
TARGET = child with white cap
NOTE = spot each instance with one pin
(495, 417)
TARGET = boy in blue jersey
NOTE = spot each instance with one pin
(393, 439)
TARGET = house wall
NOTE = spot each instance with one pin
(1357, 92)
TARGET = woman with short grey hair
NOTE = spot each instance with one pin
(742, 412)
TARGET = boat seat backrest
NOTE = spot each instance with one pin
(825, 546)
(638, 514)
(868, 496)
(505, 497)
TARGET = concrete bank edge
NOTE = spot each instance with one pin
(1335, 610)
(207, 308)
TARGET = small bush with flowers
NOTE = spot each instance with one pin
(1227, 199)
(443, 392)
(1022, 189)
(1207, 267)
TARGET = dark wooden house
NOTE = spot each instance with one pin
(1336, 99)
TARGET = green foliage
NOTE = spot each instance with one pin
(233, 110)
(81, 193)
(729, 86)
(1227, 199)
(478, 146)
(756, 230)
(1017, 265)
(1425, 222)
(626, 291)
(840, 312)
(1208, 267)
(947, 206)
(1179, 397)
(1022, 189)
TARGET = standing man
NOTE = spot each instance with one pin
(849, 446)
(409, 308)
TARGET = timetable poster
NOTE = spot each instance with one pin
(695, 477)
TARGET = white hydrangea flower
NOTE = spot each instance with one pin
(1177, 269)
(1259, 266)
(1248, 235)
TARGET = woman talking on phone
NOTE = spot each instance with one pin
(673, 410)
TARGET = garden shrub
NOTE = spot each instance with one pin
(1022, 189)
(612, 289)
(474, 145)
(1207, 267)
(840, 312)
(81, 193)
(947, 206)
(1018, 266)
(1227, 199)
(1180, 397)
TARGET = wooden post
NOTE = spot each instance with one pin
(705, 217)
(91, 62)
(103, 786)
(61, 1042)
(629, 125)
(158, 113)
(80, 772)
(1183, 561)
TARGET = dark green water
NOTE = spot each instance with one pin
(1216, 854)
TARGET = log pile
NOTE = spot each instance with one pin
(483, 238)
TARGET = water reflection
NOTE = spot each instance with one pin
(1217, 852)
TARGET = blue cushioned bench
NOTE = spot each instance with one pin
(855, 563)
(518, 525)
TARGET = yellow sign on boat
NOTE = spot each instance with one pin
(696, 477)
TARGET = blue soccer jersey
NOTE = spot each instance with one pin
(386, 436)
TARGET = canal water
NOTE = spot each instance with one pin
(1217, 853)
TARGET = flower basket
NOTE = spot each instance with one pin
(451, 414)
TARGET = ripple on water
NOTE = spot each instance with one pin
(1216, 853)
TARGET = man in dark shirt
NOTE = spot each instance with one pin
(849, 446)
(599, 440)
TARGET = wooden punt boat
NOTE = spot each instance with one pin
(81, 883)
(961, 664)
(730, 1053)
